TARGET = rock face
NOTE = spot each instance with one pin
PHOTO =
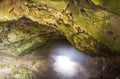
(91, 26)
(91, 29)
(22, 36)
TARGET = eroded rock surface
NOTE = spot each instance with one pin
(91, 26)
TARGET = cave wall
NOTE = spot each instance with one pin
(91, 26)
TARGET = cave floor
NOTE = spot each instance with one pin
(60, 60)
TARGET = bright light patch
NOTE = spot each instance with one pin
(6, 70)
(64, 66)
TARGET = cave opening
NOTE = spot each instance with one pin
(29, 45)
(56, 60)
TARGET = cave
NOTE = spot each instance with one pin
(59, 39)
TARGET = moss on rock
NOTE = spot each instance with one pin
(73, 21)
(110, 5)
(91, 26)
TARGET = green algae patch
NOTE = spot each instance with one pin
(111, 5)
(90, 20)
(21, 74)
(19, 39)
(97, 2)
(82, 23)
